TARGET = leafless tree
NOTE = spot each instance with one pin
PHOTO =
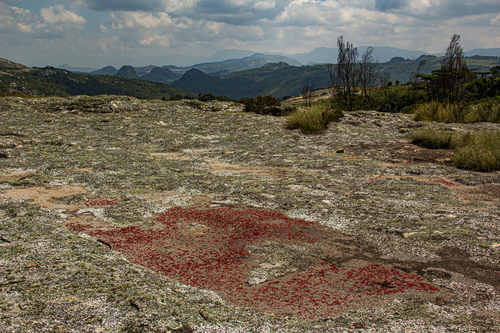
(307, 93)
(344, 77)
(367, 75)
(454, 72)
(415, 77)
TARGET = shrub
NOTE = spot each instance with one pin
(209, 97)
(265, 105)
(480, 152)
(313, 120)
(175, 97)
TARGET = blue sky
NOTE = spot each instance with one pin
(91, 32)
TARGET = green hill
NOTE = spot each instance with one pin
(18, 79)
(273, 79)
(281, 79)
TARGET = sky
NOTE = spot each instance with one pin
(95, 33)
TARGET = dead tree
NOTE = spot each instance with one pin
(367, 75)
(344, 77)
(307, 93)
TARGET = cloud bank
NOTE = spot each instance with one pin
(138, 28)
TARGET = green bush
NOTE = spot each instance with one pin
(480, 152)
(313, 120)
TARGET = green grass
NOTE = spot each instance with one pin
(458, 113)
(313, 120)
(475, 151)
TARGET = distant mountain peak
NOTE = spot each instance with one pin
(274, 66)
(193, 72)
(108, 70)
(127, 72)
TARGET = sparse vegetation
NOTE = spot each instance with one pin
(475, 151)
(313, 120)
(458, 113)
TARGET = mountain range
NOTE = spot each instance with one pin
(17, 79)
(319, 55)
(250, 76)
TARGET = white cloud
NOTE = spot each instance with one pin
(157, 40)
(495, 21)
(59, 15)
(24, 28)
(106, 43)
(11, 16)
(140, 20)
(263, 5)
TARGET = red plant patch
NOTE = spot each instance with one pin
(100, 202)
(209, 249)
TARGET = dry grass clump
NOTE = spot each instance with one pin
(478, 151)
(442, 112)
(433, 139)
(486, 112)
(313, 120)
(458, 113)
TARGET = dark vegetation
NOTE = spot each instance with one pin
(50, 81)
(266, 105)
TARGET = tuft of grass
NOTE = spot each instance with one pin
(433, 139)
(313, 120)
(442, 112)
(479, 152)
(458, 113)
(485, 112)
